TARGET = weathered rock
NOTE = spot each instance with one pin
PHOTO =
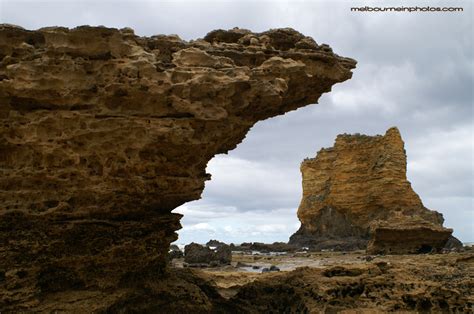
(223, 254)
(407, 236)
(198, 254)
(103, 133)
(214, 243)
(358, 190)
(265, 248)
(175, 252)
(174, 247)
(240, 264)
(417, 284)
(453, 243)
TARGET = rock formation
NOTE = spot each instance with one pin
(103, 133)
(357, 191)
(414, 284)
(453, 244)
(174, 252)
(214, 243)
(266, 248)
(203, 256)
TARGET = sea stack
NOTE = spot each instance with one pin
(356, 195)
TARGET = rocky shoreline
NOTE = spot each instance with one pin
(339, 281)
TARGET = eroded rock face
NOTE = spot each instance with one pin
(174, 252)
(358, 190)
(103, 133)
(199, 255)
(266, 248)
(432, 283)
(214, 243)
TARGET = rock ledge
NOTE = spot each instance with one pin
(103, 133)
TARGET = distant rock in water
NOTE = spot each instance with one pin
(356, 196)
(265, 248)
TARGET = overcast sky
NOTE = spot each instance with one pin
(415, 71)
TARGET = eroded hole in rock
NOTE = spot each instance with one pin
(425, 249)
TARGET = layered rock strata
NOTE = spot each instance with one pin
(103, 133)
(357, 191)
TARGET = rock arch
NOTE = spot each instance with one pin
(103, 133)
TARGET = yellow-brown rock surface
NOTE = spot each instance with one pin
(103, 133)
(432, 283)
(358, 190)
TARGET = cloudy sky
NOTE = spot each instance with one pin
(415, 71)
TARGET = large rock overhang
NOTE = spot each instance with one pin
(103, 133)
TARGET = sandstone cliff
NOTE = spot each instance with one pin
(103, 133)
(357, 191)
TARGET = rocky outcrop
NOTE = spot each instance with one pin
(214, 243)
(265, 248)
(438, 283)
(357, 191)
(175, 252)
(103, 133)
(407, 236)
(203, 256)
(453, 244)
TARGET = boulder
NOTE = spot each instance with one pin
(175, 252)
(266, 248)
(453, 244)
(223, 254)
(214, 243)
(274, 268)
(199, 254)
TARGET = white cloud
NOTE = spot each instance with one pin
(444, 156)
(379, 90)
(203, 226)
(260, 225)
(272, 228)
